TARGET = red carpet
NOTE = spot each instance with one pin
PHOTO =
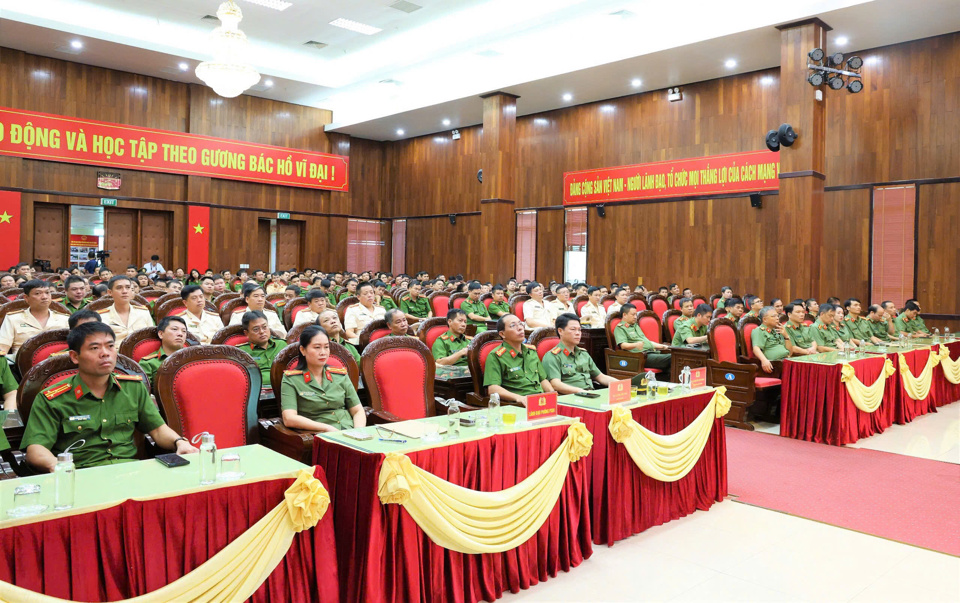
(902, 498)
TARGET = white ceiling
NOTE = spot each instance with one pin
(445, 54)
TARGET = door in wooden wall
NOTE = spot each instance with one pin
(156, 237)
(120, 226)
(261, 255)
(288, 244)
(50, 228)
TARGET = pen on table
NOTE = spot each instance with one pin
(392, 440)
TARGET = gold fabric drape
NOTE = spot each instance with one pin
(667, 458)
(238, 570)
(469, 521)
(951, 368)
(918, 387)
(866, 397)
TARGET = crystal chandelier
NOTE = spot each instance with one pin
(228, 73)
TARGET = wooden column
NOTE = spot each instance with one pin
(498, 222)
(800, 208)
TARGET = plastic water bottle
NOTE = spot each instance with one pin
(946, 334)
(207, 460)
(493, 412)
(651, 385)
(65, 481)
(685, 378)
(453, 419)
(936, 336)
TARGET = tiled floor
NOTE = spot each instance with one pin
(736, 552)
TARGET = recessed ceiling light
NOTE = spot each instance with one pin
(841, 41)
(183, 66)
(446, 122)
(76, 44)
(268, 83)
(40, 74)
(636, 82)
(355, 26)
(607, 108)
(274, 4)
(399, 132)
(567, 97)
(766, 80)
(730, 63)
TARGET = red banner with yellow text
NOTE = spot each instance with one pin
(720, 174)
(56, 138)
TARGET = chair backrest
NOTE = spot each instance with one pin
(57, 368)
(516, 304)
(273, 298)
(291, 309)
(699, 299)
(675, 302)
(214, 389)
(428, 330)
(544, 339)
(608, 300)
(722, 338)
(439, 302)
(650, 325)
(487, 299)
(715, 299)
(151, 295)
(808, 320)
(374, 330)
(39, 347)
(719, 312)
(609, 324)
(397, 294)
(658, 304)
(477, 352)
(669, 318)
(579, 302)
(163, 298)
(221, 300)
(344, 304)
(176, 307)
(11, 293)
(235, 335)
(293, 335)
(145, 341)
(455, 300)
(287, 360)
(236, 305)
(638, 301)
(21, 304)
(747, 325)
(399, 372)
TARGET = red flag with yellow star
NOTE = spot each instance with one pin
(198, 238)
(9, 228)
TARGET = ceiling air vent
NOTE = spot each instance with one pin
(407, 7)
(210, 19)
(316, 45)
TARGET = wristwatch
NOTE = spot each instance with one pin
(178, 439)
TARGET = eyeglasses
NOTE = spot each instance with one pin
(264, 329)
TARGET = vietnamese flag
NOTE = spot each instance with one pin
(9, 228)
(198, 238)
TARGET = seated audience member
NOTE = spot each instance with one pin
(534, 313)
(174, 286)
(561, 305)
(569, 368)
(131, 272)
(206, 285)
(909, 321)
(823, 332)
(316, 304)
(499, 307)
(858, 326)
(798, 338)
(734, 309)
(923, 325)
(767, 339)
(725, 294)
(7, 282)
(813, 307)
(686, 313)
(262, 346)
(511, 288)
(79, 317)
(630, 338)
(397, 323)
(451, 347)
(290, 293)
(203, 323)
(674, 289)
(834, 301)
(755, 304)
(881, 327)
(579, 289)
(255, 297)
(350, 289)
(330, 322)
(622, 295)
(593, 314)
(474, 310)
(414, 305)
(317, 397)
(36, 318)
(219, 286)
(362, 313)
(513, 369)
(777, 305)
(694, 330)
(172, 331)
(8, 386)
(383, 296)
(88, 407)
(841, 328)
(143, 281)
(688, 293)
(76, 293)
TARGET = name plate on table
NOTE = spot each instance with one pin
(698, 378)
(619, 392)
(541, 406)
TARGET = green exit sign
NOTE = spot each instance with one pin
(283, 216)
(110, 202)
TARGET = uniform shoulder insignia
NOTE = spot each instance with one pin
(337, 370)
(501, 351)
(103, 310)
(245, 343)
(55, 311)
(151, 356)
(354, 305)
(405, 298)
(139, 307)
(445, 337)
(292, 373)
(529, 347)
(205, 311)
(55, 391)
(122, 377)
(556, 350)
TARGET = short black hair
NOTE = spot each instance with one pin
(911, 306)
(883, 304)
(306, 336)
(474, 286)
(811, 300)
(833, 301)
(116, 279)
(733, 301)
(702, 309)
(827, 307)
(626, 308)
(850, 302)
(531, 286)
(502, 323)
(498, 287)
(250, 316)
(873, 308)
(294, 288)
(154, 257)
(364, 284)
(592, 290)
(686, 300)
(564, 319)
(250, 288)
(313, 294)
(78, 335)
(789, 308)
(99, 290)
(209, 277)
(34, 284)
(83, 314)
(186, 291)
(453, 312)
(166, 320)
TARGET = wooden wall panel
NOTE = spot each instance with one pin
(367, 195)
(938, 261)
(845, 258)
(550, 246)
(435, 245)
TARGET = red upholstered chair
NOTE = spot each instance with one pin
(579, 302)
(650, 325)
(658, 304)
(516, 304)
(544, 339)
(373, 331)
(293, 335)
(160, 300)
(145, 341)
(12, 293)
(214, 389)
(439, 302)
(456, 299)
(714, 300)
(151, 295)
(747, 325)
(719, 312)
(621, 364)
(235, 335)
(669, 318)
(477, 353)
(674, 302)
(429, 329)
(21, 304)
(808, 320)
(699, 299)
(39, 347)
(176, 307)
(487, 299)
(608, 300)
(638, 301)
(399, 372)
(275, 298)
(291, 309)
(397, 295)
(221, 300)
(346, 303)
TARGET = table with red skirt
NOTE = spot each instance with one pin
(945, 391)
(383, 555)
(624, 501)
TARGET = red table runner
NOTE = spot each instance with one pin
(139, 546)
(624, 501)
(385, 556)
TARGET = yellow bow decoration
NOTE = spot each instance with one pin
(620, 424)
(307, 501)
(951, 368)
(579, 441)
(866, 397)
(918, 387)
(397, 479)
(722, 401)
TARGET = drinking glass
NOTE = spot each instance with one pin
(230, 467)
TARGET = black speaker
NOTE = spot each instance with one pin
(756, 201)
(453, 218)
(601, 211)
(772, 141)
(786, 135)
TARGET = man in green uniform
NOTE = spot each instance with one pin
(823, 332)
(630, 338)
(569, 368)
(451, 347)
(385, 300)
(909, 321)
(414, 305)
(173, 337)
(261, 345)
(97, 406)
(797, 335)
(693, 331)
(397, 323)
(755, 304)
(350, 290)
(475, 310)
(499, 307)
(76, 289)
(767, 339)
(858, 326)
(686, 313)
(513, 368)
(330, 322)
(734, 308)
(880, 324)
(8, 386)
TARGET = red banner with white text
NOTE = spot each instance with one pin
(56, 138)
(736, 173)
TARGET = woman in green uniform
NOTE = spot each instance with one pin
(315, 396)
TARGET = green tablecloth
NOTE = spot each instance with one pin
(601, 404)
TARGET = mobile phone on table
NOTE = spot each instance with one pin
(587, 395)
(172, 460)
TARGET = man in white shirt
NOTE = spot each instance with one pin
(203, 323)
(124, 317)
(593, 314)
(534, 313)
(622, 295)
(316, 304)
(362, 313)
(153, 267)
(256, 299)
(36, 318)
(562, 304)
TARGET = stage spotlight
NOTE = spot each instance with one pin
(835, 82)
(816, 54)
(815, 78)
(601, 211)
(854, 63)
(772, 142)
(836, 59)
(854, 86)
